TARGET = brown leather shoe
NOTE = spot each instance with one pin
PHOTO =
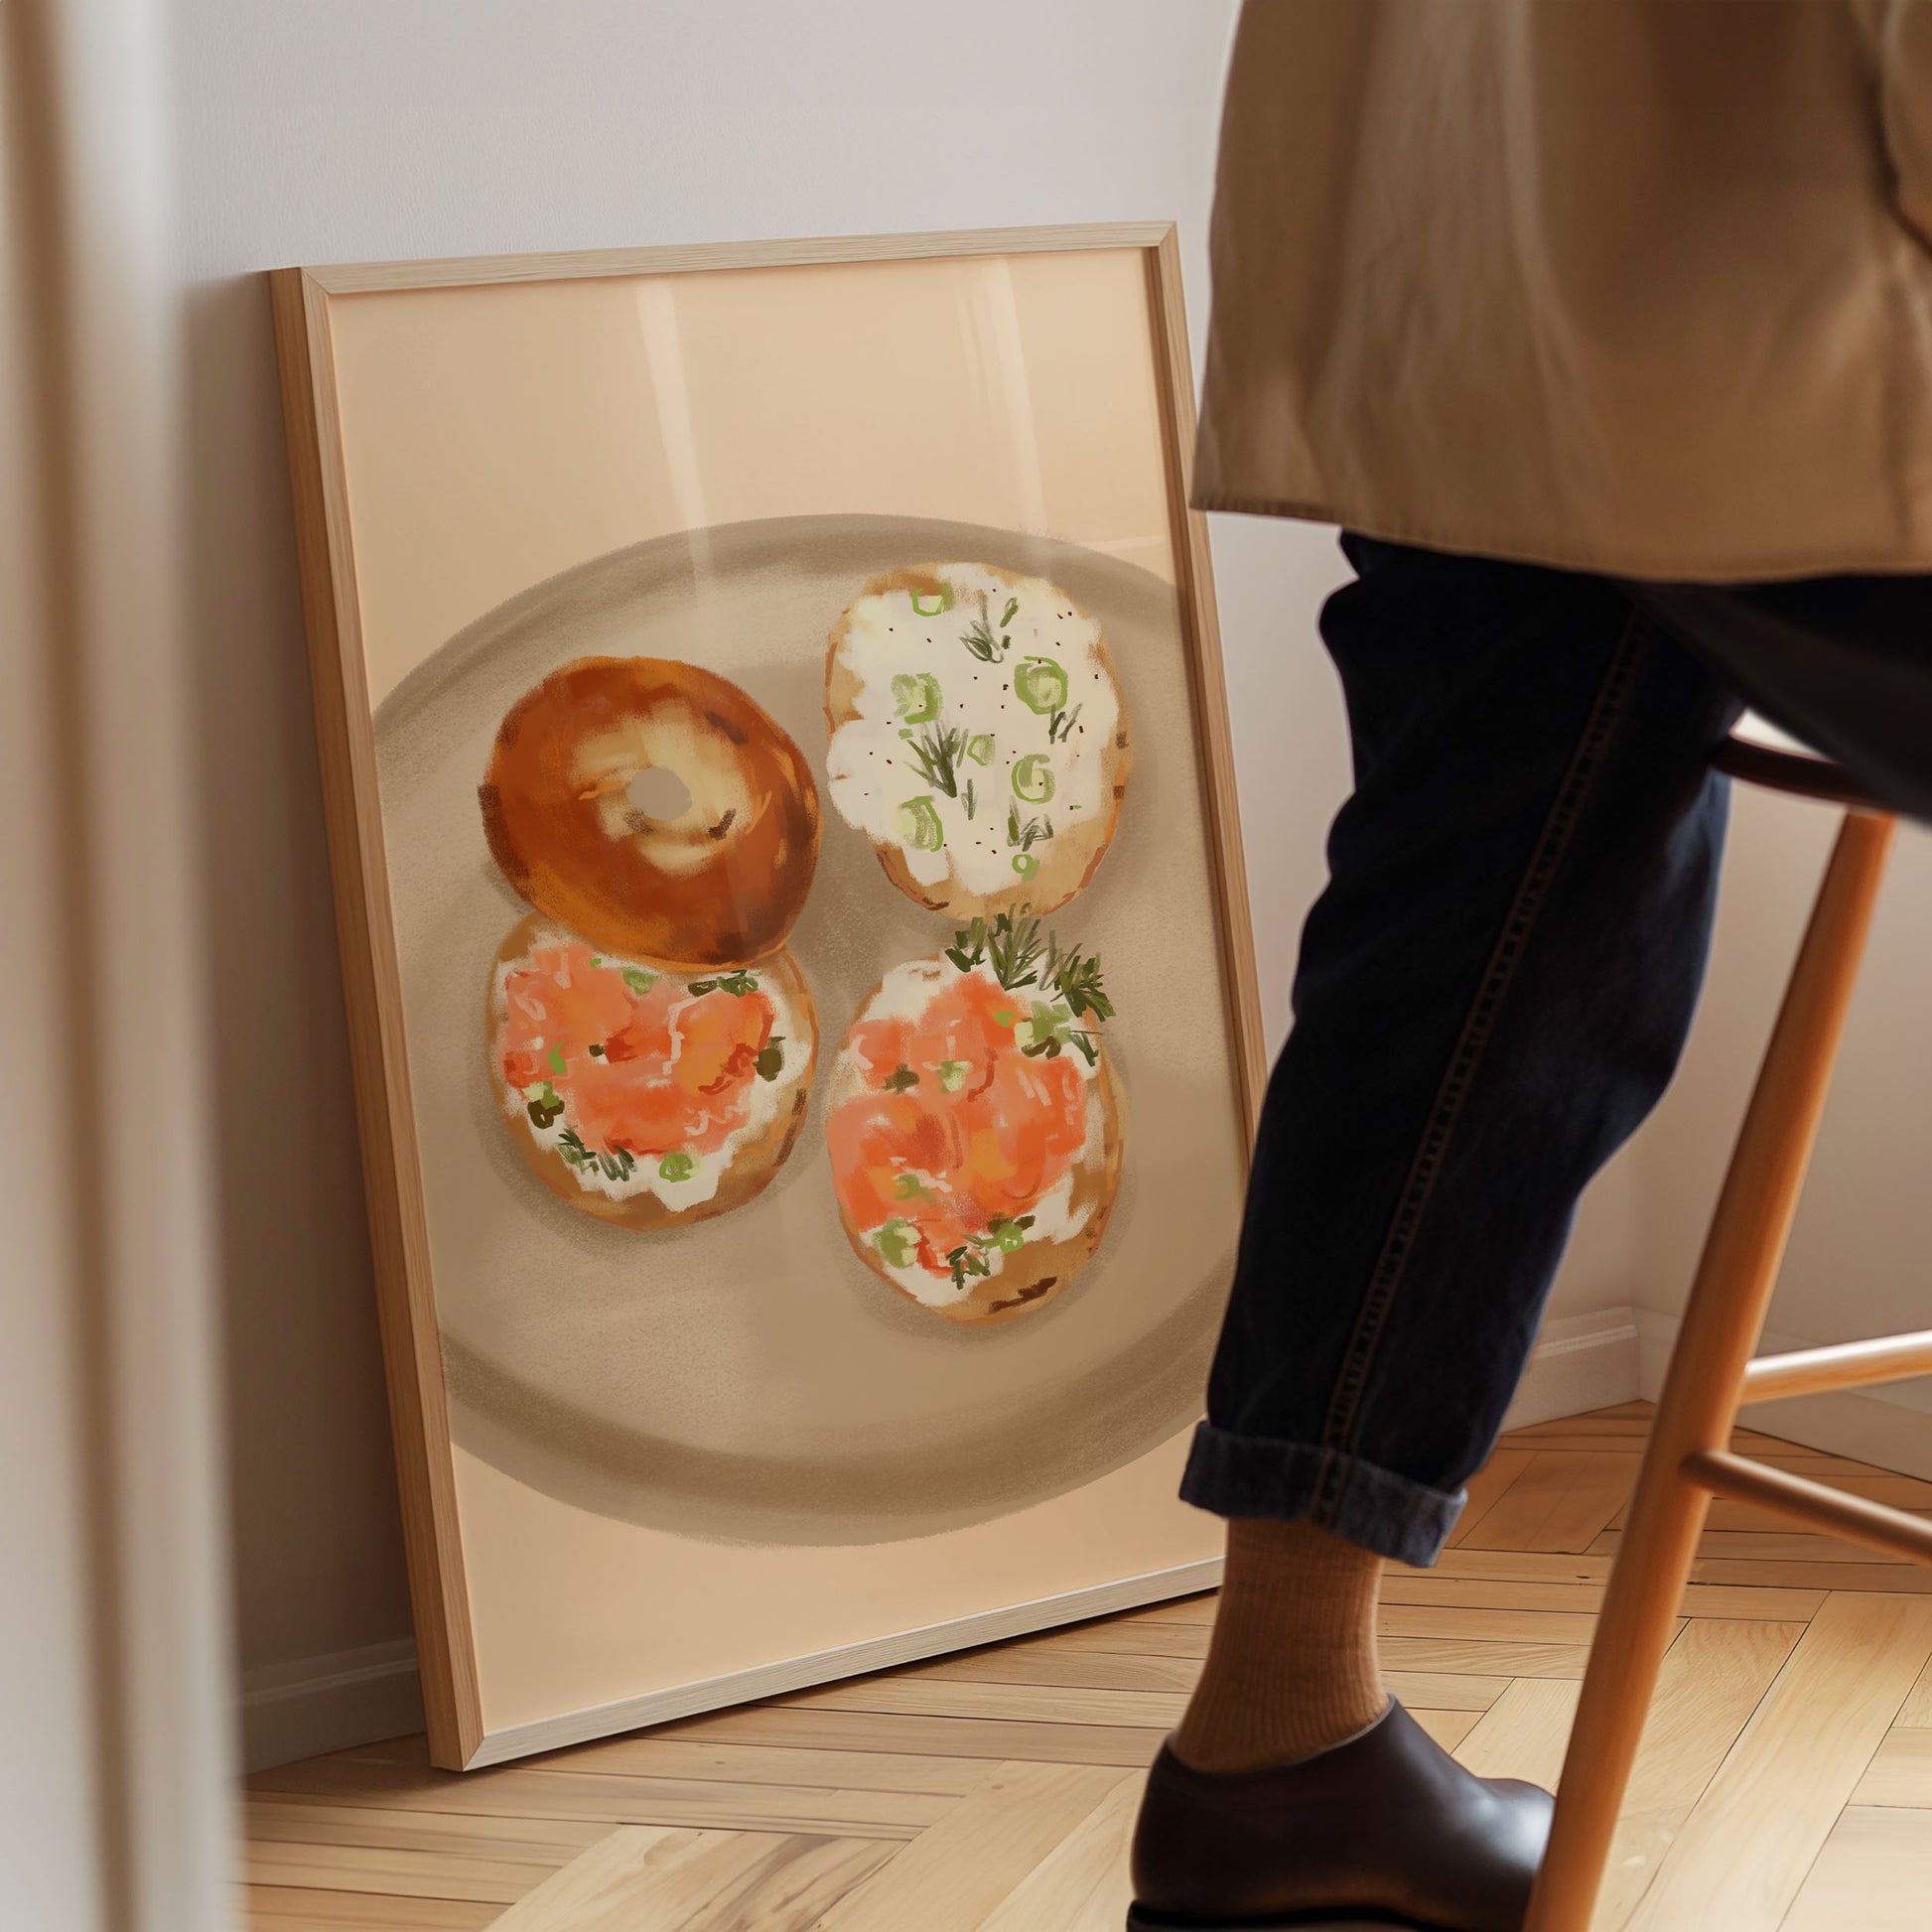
(1384, 1829)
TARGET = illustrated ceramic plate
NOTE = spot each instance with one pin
(748, 1378)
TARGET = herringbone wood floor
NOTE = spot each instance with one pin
(1786, 1778)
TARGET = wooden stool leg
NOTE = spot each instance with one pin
(1698, 1406)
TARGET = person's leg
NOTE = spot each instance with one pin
(1492, 993)
(1291, 1668)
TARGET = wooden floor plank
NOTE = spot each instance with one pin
(1131, 1636)
(410, 1753)
(1580, 1440)
(1628, 1433)
(966, 1738)
(1454, 1619)
(1561, 1502)
(1447, 1728)
(1476, 1658)
(1416, 1661)
(1916, 1711)
(1871, 1876)
(1118, 1670)
(1778, 1606)
(1746, 1849)
(1444, 1690)
(904, 1693)
(638, 1882)
(1521, 1566)
(952, 1877)
(1608, 1428)
(659, 1757)
(1086, 1670)
(1902, 1579)
(687, 1801)
(787, 1724)
(542, 1841)
(710, 1881)
(1714, 1675)
(1771, 1546)
(656, 1878)
(790, 1890)
(1012, 1703)
(1523, 1734)
(1900, 1771)
(1082, 1884)
(289, 1908)
(392, 1873)
(1486, 1487)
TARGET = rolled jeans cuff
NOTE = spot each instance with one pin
(1360, 1502)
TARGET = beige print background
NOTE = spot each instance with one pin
(496, 437)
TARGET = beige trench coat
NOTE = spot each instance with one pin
(1638, 286)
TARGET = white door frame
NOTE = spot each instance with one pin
(114, 1660)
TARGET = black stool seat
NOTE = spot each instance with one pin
(1763, 756)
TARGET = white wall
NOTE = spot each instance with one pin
(1860, 1260)
(367, 129)
(1861, 1255)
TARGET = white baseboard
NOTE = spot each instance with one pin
(1579, 1362)
(1889, 1427)
(329, 1704)
(1596, 1360)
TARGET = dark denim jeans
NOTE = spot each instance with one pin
(1495, 986)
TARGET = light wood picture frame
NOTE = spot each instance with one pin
(449, 421)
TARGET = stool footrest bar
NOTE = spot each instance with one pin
(1843, 1365)
(1815, 1504)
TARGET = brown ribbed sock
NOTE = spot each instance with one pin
(1292, 1666)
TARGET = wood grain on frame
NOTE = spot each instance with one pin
(347, 743)
(373, 991)
(478, 271)
(1201, 630)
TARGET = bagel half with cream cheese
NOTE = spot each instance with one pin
(979, 737)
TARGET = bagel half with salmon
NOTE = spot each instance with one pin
(643, 1098)
(976, 1124)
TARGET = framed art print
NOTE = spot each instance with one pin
(796, 945)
